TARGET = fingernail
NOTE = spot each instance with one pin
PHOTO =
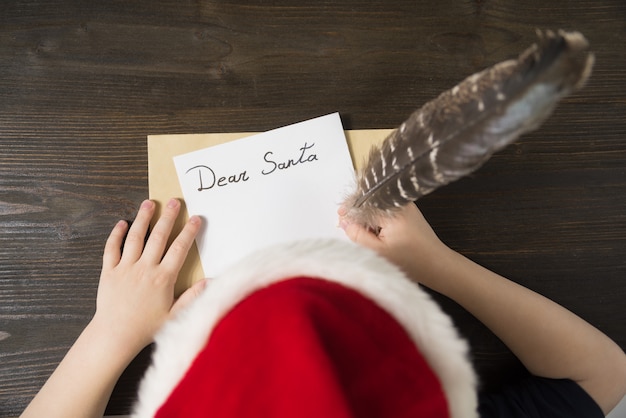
(147, 204)
(195, 220)
(172, 203)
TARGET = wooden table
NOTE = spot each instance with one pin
(82, 85)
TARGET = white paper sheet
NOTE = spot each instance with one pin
(275, 187)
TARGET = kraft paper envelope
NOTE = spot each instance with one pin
(163, 182)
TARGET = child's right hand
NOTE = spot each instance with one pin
(405, 239)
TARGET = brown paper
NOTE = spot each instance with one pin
(163, 181)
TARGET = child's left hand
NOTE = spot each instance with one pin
(135, 298)
(136, 290)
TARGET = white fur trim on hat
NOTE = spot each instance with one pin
(355, 267)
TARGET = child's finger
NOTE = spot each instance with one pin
(361, 235)
(176, 254)
(188, 296)
(113, 246)
(135, 239)
(161, 232)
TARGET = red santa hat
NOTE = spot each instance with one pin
(311, 329)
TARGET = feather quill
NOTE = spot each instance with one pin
(454, 134)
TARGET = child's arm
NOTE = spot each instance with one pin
(135, 297)
(548, 339)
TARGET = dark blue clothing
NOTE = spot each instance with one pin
(537, 397)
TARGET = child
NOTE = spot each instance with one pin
(323, 328)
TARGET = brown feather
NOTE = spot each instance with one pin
(454, 134)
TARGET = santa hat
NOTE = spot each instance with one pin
(310, 329)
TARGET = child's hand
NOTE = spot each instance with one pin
(136, 290)
(135, 297)
(405, 239)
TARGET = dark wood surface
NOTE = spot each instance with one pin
(83, 83)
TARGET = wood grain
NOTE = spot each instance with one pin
(81, 86)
